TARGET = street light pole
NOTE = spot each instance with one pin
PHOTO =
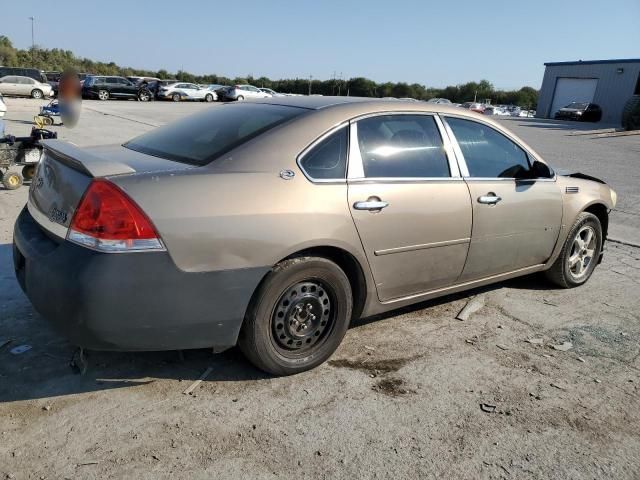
(33, 43)
(310, 78)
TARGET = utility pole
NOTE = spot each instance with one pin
(33, 43)
(310, 78)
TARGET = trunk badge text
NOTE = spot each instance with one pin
(287, 174)
(57, 216)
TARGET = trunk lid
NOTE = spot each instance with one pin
(65, 171)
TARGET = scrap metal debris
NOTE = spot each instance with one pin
(472, 306)
(195, 384)
(563, 347)
(487, 407)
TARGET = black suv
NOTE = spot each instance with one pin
(106, 87)
(24, 72)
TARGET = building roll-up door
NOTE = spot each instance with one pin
(572, 90)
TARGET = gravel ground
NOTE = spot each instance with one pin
(410, 394)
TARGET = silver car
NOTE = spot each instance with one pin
(183, 91)
(272, 224)
(241, 92)
(24, 87)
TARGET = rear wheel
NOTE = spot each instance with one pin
(103, 95)
(37, 94)
(240, 98)
(298, 316)
(144, 96)
(580, 253)
(176, 97)
(11, 180)
(28, 172)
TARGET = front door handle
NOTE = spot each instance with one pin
(489, 199)
(372, 204)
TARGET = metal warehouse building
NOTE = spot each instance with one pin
(608, 83)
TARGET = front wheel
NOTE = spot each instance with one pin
(208, 98)
(298, 316)
(37, 94)
(175, 97)
(240, 98)
(580, 253)
(144, 96)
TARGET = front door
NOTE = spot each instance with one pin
(516, 217)
(410, 206)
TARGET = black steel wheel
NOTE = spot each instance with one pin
(298, 316)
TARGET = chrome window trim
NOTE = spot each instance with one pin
(463, 163)
(310, 147)
(355, 164)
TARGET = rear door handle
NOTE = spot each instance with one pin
(489, 199)
(371, 205)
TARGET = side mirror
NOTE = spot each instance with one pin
(541, 170)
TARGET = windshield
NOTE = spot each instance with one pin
(577, 106)
(200, 139)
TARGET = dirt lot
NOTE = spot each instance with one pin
(412, 394)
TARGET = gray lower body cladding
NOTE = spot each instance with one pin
(131, 301)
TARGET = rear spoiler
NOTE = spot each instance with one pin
(84, 161)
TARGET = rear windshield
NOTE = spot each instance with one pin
(201, 138)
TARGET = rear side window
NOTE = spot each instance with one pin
(201, 138)
(402, 146)
(327, 160)
(488, 153)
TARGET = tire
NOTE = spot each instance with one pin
(37, 94)
(103, 95)
(28, 172)
(577, 260)
(176, 97)
(11, 180)
(144, 97)
(240, 98)
(631, 114)
(297, 317)
(208, 98)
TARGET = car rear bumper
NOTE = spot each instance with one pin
(130, 301)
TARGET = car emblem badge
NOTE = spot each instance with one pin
(287, 174)
(57, 216)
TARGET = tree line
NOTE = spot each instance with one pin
(56, 59)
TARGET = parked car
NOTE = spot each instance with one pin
(24, 87)
(3, 107)
(240, 92)
(271, 92)
(443, 101)
(580, 111)
(237, 225)
(495, 110)
(34, 73)
(473, 106)
(181, 91)
(107, 87)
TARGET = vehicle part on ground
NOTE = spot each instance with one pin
(11, 180)
(580, 253)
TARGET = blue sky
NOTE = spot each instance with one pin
(433, 43)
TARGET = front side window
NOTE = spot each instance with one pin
(488, 153)
(327, 160)
(402, 146)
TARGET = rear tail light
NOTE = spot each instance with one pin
(109, 221)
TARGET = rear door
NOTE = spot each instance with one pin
(409, 203)
(10, 85)
(516, 218)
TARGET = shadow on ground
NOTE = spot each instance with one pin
(45, 370)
